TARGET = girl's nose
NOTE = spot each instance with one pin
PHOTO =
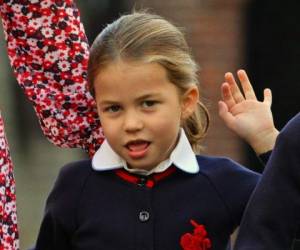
(133, 122)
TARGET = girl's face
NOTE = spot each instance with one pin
(141, 111)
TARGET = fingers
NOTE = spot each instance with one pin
(227, 95)
(224, 113)
(232, 94)
(235, 90)
(247, 91)
(268, 97)
(246, 85)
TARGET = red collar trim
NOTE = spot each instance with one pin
(148, 181)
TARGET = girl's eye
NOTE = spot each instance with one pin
(149, 103)
(112, 109)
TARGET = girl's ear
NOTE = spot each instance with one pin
(189, 102)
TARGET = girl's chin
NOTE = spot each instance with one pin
(140, 165)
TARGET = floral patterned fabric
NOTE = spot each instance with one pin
(9, 238)
(48, 51)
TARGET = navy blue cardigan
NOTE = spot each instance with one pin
(92, 210)
(272, 218)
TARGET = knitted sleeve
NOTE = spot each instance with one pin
(237, 187)
(9, 238)
(59, 222)
(233, 182)
(48, 51)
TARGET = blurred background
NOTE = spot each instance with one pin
(261, 36)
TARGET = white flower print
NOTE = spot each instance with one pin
(4, 168)
(54, 131)
(63, 54)
(84, 46)
(36, 23)
(2, 190)
(76, 72)
(64, 66)
(16, 244)
(47, 21)
(5, 229)
(8, 208)
(69, 11)
(16, 8)
(52, 56)
(60, 38)
(2, 143)
(32, 42)
(47, 32)
(45, 4)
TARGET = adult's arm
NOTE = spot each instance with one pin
(272, 216)
(9, 238)
(48, 51)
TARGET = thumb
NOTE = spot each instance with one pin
(226, 116)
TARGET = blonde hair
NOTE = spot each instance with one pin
(148, 38)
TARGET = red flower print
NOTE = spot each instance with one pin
(196, 241)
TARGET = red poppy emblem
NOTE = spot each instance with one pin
(196, 241)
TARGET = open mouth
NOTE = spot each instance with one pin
(138, 148)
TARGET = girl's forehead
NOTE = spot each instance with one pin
(132, 75)
(132, 69)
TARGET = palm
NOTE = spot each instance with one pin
(250, 118)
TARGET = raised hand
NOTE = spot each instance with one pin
(249, 118)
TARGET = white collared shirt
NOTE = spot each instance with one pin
(182, 157)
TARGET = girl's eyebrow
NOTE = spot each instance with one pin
(146, 96)
(143, 97)
(108, 102)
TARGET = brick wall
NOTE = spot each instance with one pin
(214, 30)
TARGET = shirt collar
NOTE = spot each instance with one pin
(182, 157)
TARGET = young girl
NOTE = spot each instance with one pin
(48, 52)
(145, 188)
